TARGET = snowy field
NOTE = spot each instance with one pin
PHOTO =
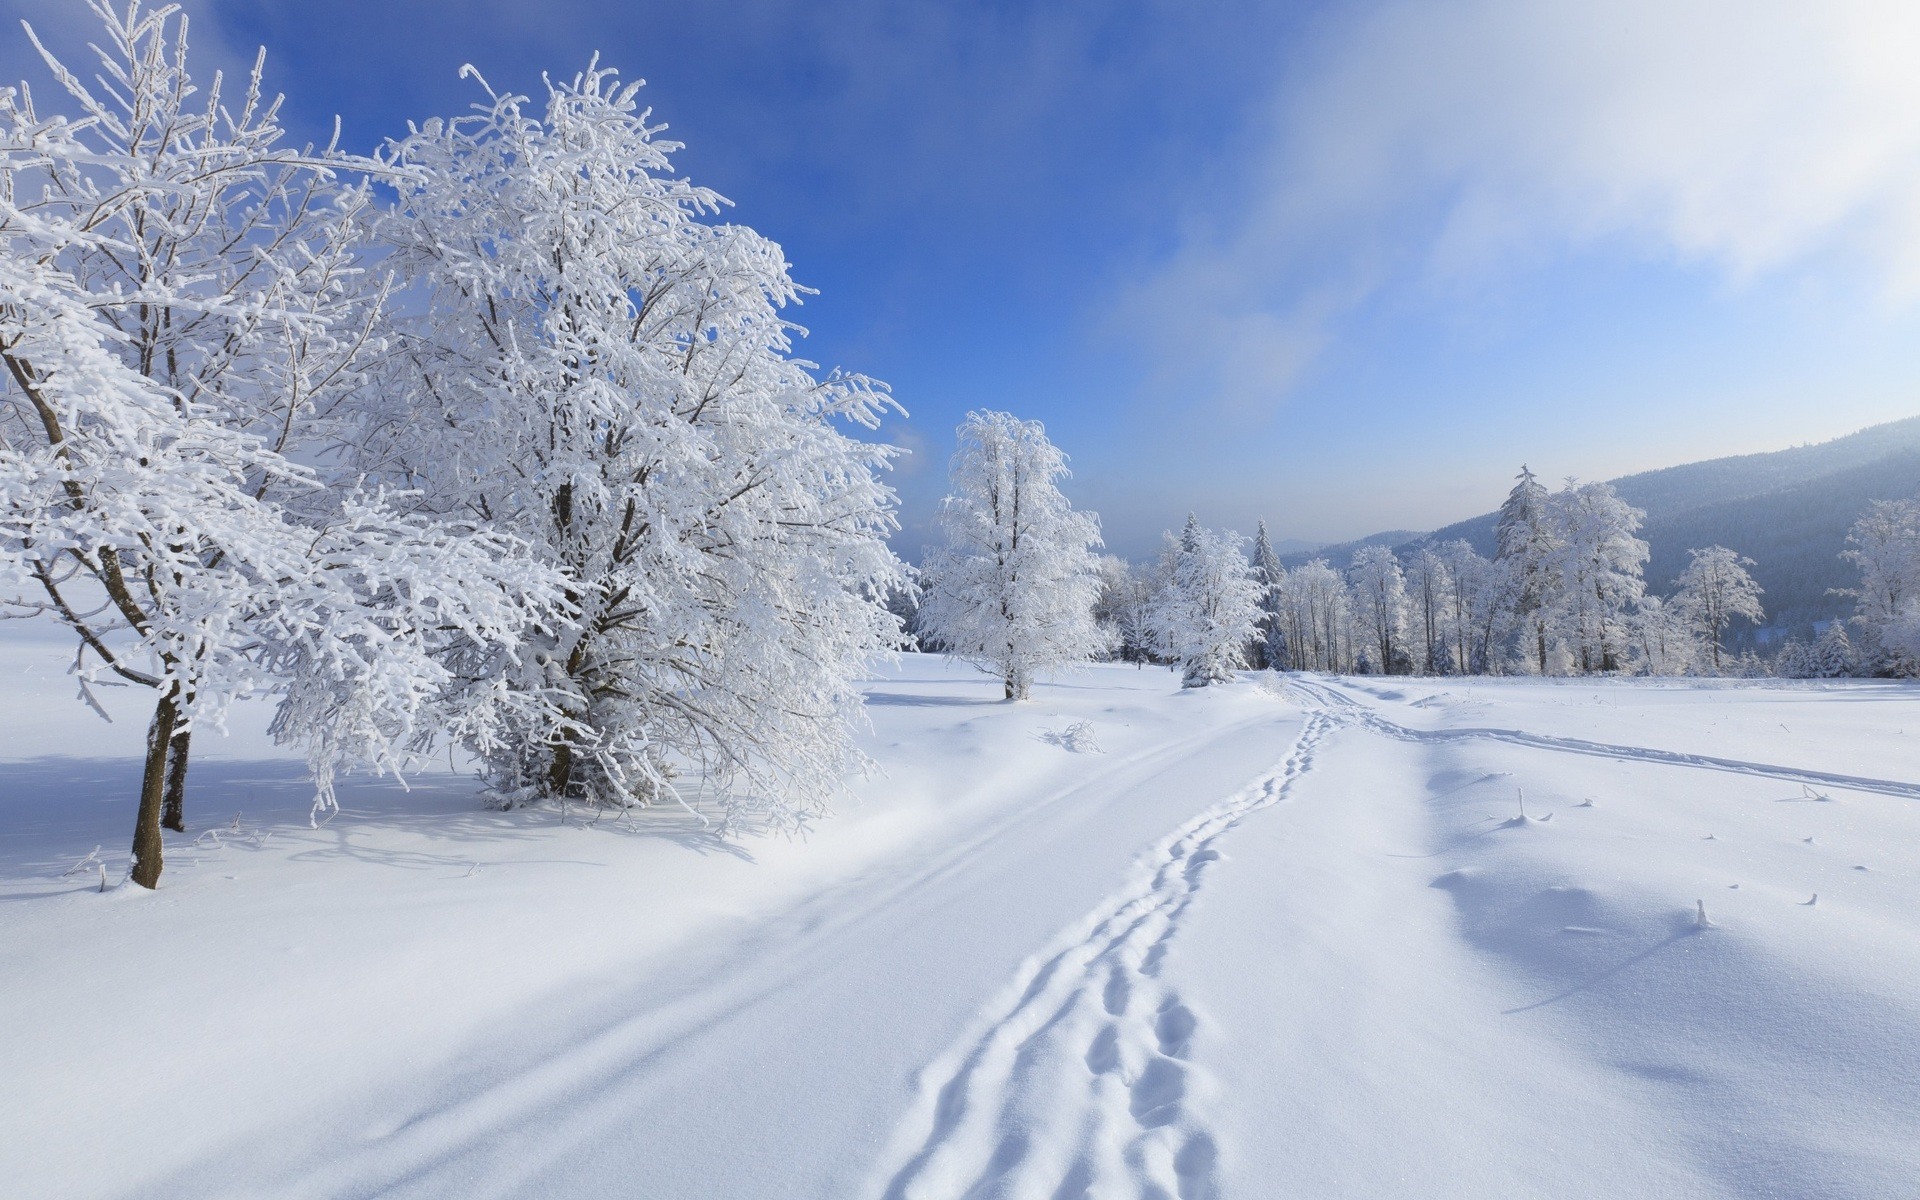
(1282, 938)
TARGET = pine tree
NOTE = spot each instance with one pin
(1271, 642)
(1832, 655)
(1013, 589)
(1795, 661)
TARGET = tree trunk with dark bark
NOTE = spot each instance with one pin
(173, 811)
(146, 830)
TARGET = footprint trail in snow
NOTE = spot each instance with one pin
(1079, 1078)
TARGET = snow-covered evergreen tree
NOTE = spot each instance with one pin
(1270, 645)
(1207, 607)
(1596, 564)
(1379, 589)
(603, 373)
(1526, 555)
(182, 307)
(1713, 591)
(1013, 589)
(1794, 660)
(1832, 654)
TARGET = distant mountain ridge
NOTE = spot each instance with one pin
(1788, 510)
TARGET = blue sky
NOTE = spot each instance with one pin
(1341, 266)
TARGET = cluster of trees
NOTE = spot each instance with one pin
(1565, 593)
(494, 438)
(1018, 588)
(1885, 545)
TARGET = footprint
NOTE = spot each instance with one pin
(1175, 1029)
(1156, 1095)
(1104, 1054)
(1077, 1185)
(1194, 1167)
(1117, 992)
(1197, 863)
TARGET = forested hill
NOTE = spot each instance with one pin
(1789, 510)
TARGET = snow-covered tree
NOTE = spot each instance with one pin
(1663, 637)
(1270, 645)
(1123, 610)
(1527, 558)
(1430, 590)
(181, 308)
(1832, 655)
(1318, 618)
(608, 376)
(1794, 660)
(1596, 565)
(1013, 589)
(1885, 544)
(1713, 590)
(1380, 601)
(1208, 605)
(1478, 613)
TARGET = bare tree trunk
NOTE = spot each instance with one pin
(173, 811)
(146, 830)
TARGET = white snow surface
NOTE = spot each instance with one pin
(1288, 937)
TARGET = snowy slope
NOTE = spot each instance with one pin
(1277, 939)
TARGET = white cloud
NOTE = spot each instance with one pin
(1457, 139)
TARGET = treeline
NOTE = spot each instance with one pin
(1564, 593)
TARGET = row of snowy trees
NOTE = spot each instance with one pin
(1019, 590)
(494, 438)
(1564, 593)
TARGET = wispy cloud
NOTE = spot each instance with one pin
(1442, 143)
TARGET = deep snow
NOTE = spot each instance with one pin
(1283, 938)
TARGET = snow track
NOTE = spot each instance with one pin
(1079, 1077)
(1346, 706)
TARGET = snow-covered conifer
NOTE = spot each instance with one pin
(1832, 655)
(1208, 604)
(601, 373)
(1794, 660)
(1271, 643)
(1013, 589)
(182, 307)
(1713, 590)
